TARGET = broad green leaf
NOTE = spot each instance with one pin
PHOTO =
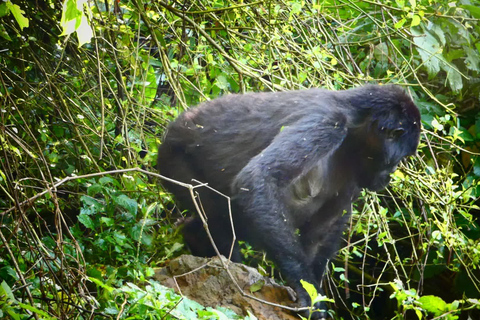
(73, 19)
(18, 14)
(474, 10)
(310, 288)
(3, 10)
(70, 14)
(381, 52)
(415, 21)
(454, 76)
(419, 314)
(296, 8)
(28, 307)
(221, 82)
(433, 304)
(473, 59)
(84, 32)
(127, 203)
(111, 310)
(437, 30)
(91, 202)
(428, 48)
(5, 290)
(400, 23)
(86, 221)
(94, 189)
(107, 221)
(107, 180)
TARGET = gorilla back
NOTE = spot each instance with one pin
(292, 163)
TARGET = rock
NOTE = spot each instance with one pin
(207, 282)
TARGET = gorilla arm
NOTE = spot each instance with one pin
(261, 190)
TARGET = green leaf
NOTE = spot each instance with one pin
(400, 3)
(454, 76)
(127, 203)
(437, 30)
(111, 310)
(474, 10)
(428, 48)
(101, 284)
(400, 23)
(7, 270)
(415, 21)
(89, 202)
(94, 189)
(6, 290)
(419, 314)
(18, 14)
(413, 3)
(70, 14)
(107, 221)
(222, 82)
(86, 221)
(28, 307)
(296, 8)
(433, 304)
(73, 19)
(84, 31)
(3, 10)
(4, 34)
(472, 61)
(257, 286)
(310, 288)
(107, 180)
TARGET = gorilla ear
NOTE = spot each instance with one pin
(396, 133)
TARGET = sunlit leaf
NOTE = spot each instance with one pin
(400, 23)
(415, 20)
(84, 32)
(310, 288)
(18, 14)
(433, 304)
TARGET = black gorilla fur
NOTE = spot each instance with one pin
(292, 163)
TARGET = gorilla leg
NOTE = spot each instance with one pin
(321, 237)
(177, 166)
(199, 243)
(216, 210)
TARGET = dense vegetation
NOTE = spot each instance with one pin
(87, 88)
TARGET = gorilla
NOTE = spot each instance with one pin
(292, 163)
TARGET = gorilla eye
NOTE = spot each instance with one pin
(395, 133)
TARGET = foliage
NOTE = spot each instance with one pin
(88, 87)
(315, 297)
(154, 301)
